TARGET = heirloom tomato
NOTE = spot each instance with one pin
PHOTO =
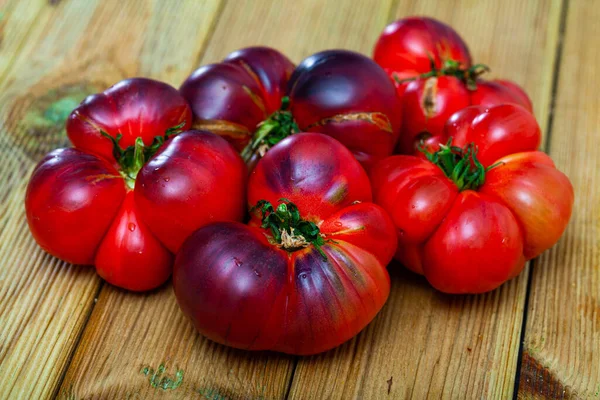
(255, 98)
(408, 47)
(431, 67)
(308, 271)
(470, 214)
(129, 192)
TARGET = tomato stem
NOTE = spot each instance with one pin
(459, 164)
(453, 68)
(288, 229)
(271, 131)
(133, 158)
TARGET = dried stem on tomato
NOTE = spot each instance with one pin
(288, 229)
(274, 129)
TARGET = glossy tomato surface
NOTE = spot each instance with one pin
(407, 50)
(232, 97)
(245, 288)
(472, 238)
(408, 46)
(92, 204)
(427, 103)
(337, 92)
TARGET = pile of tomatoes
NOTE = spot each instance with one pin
(277, 194)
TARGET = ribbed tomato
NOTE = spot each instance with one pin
(408, 47)
(255, 98)
(128, 194)
(471, 214)
(431, 67)
(308, 271)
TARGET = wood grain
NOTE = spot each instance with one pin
(57, 53)
(562, 339)
(128, 333)
(425, 344)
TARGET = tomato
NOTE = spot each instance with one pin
(255, 98)
(431, 67)
(470, 214)
(408, 47)
(308, 271)
(128, 194)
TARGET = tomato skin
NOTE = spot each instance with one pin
(129, 255)
(497, 131)
(407, 46)
(213, 89)
(348, 96)
(86, 207)
(472, 241)
(67, 187)
(500, 91)
(271, 68)
(476, 247)
(137, 107)
(426, 106)
(194, 168)
(305, 169)
(339, 93)
(538, 194)
(242, 290)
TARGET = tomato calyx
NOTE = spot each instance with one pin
(459, 164)
(468, 76)
(271, 131)
(133, 158)
(289, 231)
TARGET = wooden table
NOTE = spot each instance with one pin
(66, 334)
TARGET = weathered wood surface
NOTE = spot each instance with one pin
(561, 353)
(53, 54)
(56, 341)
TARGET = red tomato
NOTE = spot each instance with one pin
(308, 272)
(431, 68)
(112, 202)
(471, 214)
(255, 98)
(408, 46)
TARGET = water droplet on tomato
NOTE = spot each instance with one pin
(256, 272)
(167, 179)
(304, 274)
(337, 223)
(401, 232)
(131, 226)
(157, 168)
(237, 262)
(504, 240)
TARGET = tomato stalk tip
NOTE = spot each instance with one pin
(289, 230)
(274, 129)
(459, 164)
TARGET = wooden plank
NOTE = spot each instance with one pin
(423, 343)
(128, 333)
(69, 50)
(16, 21)
(561, 357)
